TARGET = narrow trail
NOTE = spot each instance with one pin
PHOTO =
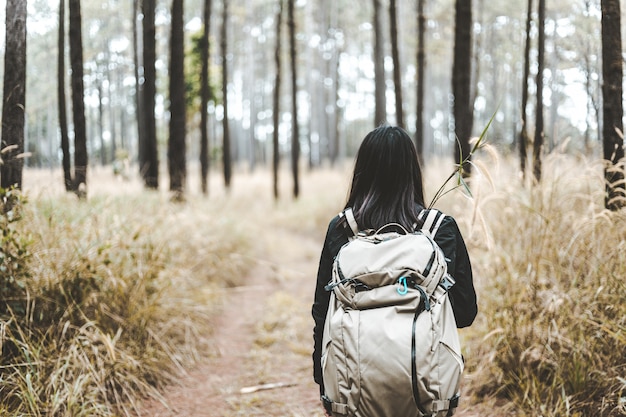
(263, 336)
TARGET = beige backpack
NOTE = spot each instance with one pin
(390, 345)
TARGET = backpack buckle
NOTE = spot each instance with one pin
(447, 282)
(328, 404)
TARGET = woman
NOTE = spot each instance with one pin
(387, 187)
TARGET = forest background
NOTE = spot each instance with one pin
(335, 47)
(93, 330)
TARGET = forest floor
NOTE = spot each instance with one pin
(262, 336)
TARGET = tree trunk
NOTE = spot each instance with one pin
(318, 20)
(331, 92)
(65, 140)
(139, 90)
(226, 157)
(592, 86)
(397, 69)
(112, 105)
(380, 111)
(103, 160)
(612, 92)
(295, 133)
(177, 148)
(50, 134)
(149, 166)
(523, 136)
(276, 105)
(337, 114)
(421, 70)
(539, 134)
(14, 101)
(122, 115)
(461, 85)
(78, 105)
(204, 98)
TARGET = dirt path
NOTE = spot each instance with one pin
(263, 336)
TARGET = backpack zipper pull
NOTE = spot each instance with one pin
(404, 288)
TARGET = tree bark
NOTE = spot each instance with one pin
(78, 105)
(331, 92)
(276, 105)
(539, 133)
(177, 147)
(461, 83)
(204, 98)
(65, 140)
(149, 166)
(397, 69)
(14, 101)
(523, 136)
(111, 76)
(100, 89)
(380, 111)
(421, 70)
(139, 90)
(295, 132)
(612, 95)
(226, 157)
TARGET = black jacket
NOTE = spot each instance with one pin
(462, 294)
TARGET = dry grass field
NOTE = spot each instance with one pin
(130, 304)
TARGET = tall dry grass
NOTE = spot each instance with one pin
(550, 264)
(107, 300)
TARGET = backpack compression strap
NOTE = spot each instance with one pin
(433, 220)
(349, 215)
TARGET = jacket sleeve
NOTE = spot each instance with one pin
(334, 240)
(462, 294)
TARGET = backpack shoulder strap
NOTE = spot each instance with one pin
(432, 220)
(349, 215)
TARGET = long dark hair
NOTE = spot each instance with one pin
(387, 184)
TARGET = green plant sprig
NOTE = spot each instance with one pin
(458, 171)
